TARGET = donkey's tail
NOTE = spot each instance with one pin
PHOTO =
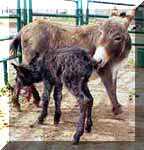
(15, 44)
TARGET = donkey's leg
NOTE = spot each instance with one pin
(57, 98)
(76, 90)
(45, 99)
(109, 79)
(15, 96)
(89, 122)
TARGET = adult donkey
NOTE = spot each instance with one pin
(108, 43)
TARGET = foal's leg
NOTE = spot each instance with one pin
(109, 79)
(15, 96)
(89, 122)
(76, 89)
(45, 99)
(35, 95)
(57, 98)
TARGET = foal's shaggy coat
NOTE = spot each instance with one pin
(71, 66)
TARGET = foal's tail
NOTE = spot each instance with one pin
(15, 44)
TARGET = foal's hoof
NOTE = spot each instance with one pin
(87, 129)
(117, 110)
(57, 118)
(36, 123)
(75, 143)
(76, 139)
(56, 123)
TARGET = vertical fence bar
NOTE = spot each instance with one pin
(5, 72)
(81, 13)
(19, 52)
(77, 13)
(30, 11)
(25, 12)
(19, 16)
(87, 13)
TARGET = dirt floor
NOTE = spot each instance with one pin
(106, 126)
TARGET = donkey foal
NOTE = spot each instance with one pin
(71, 66)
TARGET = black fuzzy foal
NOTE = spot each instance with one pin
(71, 66)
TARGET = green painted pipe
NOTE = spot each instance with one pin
(5, 72)
(6, 38)
(138, 44)
(18, 16)
(19, 25)
(104, 16)
(77, 13)
(9, 17)
(53, 15)
(30, 11)
(25, 12)
(111, 3)
(8, 58)
(136, 32)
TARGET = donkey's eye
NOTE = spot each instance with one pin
(118, 39)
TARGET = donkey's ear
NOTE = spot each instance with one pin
(114, 12)
(122, 14)
(129, 17)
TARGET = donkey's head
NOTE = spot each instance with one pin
(114, 41)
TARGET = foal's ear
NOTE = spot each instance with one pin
(20, 69)
(16, 67)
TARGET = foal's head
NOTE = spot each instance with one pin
(26, 75)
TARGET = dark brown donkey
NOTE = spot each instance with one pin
(108, 43)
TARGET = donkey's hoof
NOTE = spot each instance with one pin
(57, 118)
(19, 109)
(117, 110)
